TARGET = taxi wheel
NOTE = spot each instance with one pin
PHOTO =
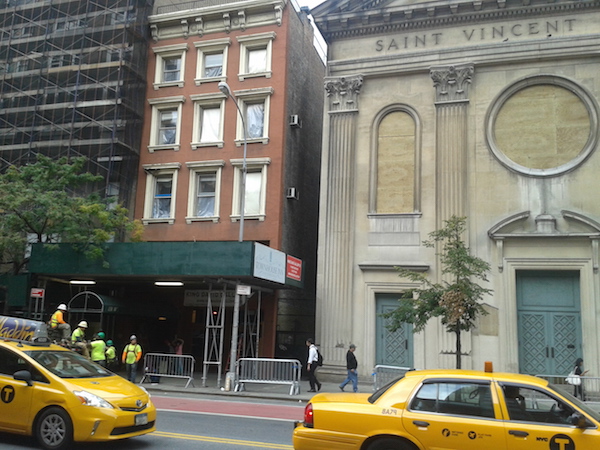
(390, 444)
(53, 429)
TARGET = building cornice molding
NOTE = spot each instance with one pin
(386, 20)
(237, 16)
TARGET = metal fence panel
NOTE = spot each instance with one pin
(169, 365)
(268, 371)
(382, 374)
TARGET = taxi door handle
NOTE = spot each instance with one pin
(421, 423)
(518, 433)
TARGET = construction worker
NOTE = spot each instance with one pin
(132, 353)
(78, 338)
(111, 355)
(98, 347)
(57, 321)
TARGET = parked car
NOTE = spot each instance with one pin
(59, 396)
(451, 410)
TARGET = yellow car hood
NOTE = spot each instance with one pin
(113, 388)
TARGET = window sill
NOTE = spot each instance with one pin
(263, 140)
(190, 220)
(200, 81)
(196, 145)
(157, 86)
(153, 148)
(259, 217)
(170, 221)
(243, 76)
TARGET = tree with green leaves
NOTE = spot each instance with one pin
(456, 300)
(42, 202)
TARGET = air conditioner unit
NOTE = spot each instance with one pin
(295, 121)
(291, 192)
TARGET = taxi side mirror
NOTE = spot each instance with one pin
(23, 375)
(578, 420)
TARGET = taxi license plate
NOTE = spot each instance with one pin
(141, 419)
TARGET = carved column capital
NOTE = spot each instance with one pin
(452, 82)
(343, 92)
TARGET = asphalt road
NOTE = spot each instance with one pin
(202, 424)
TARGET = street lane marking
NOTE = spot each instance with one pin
(242, 416)
(192, 437)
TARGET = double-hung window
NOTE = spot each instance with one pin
(212, 60)
(170, 65)
(207, 130)
(204, 193)
(255, 191)
(161, 184)
(255, 106)
(166, 123)
(255, 55)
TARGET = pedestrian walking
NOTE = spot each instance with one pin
(311, 365)
(132, 353)
(351, 367)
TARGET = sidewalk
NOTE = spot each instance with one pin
(252, 390)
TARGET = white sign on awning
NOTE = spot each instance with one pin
(269, 264)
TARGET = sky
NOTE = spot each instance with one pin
(310, 3)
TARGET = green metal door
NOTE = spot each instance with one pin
(549, 321)
(392, 349)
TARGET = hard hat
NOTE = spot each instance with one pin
(62, 307)
(109, 342)
(133, 336)
(83, 324)
(101, 335)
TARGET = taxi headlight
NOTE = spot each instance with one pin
(89, 399)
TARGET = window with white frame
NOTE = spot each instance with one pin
(255, 192)
(204, 193)
(212, 60)
(255, 106)
(166, 123)
(161, 189)
(255, 55)
(208, 120)
(170, 65)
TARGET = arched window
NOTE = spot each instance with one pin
(395, 166)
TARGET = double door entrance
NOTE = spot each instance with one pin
(549, 321)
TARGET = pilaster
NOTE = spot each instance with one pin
(451, 85)
(335, 299)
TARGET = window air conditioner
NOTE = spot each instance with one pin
(295, 121)
(291, 192)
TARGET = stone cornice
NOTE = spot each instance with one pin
(217, 19)
(437, 14)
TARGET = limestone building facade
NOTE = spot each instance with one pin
(483, 109)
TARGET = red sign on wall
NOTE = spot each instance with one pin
(293, 268)
(37, 292)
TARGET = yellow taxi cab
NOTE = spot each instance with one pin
(59, 396)
(451, 410)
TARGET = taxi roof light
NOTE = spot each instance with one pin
(488, 367)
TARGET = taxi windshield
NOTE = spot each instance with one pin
(582, 405)
(68, 364)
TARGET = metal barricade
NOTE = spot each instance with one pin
(382, 375)
(170, 366)
(268, 371)
(589, 385)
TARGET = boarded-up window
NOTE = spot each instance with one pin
(396, 164)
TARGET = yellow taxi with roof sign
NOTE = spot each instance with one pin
(451, 410)
(59, 396)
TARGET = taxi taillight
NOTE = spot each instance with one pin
(308, 416)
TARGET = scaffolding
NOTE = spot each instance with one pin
(72, 83)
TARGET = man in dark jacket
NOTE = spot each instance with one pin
(351, 366)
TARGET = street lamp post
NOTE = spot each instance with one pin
(230, 377)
